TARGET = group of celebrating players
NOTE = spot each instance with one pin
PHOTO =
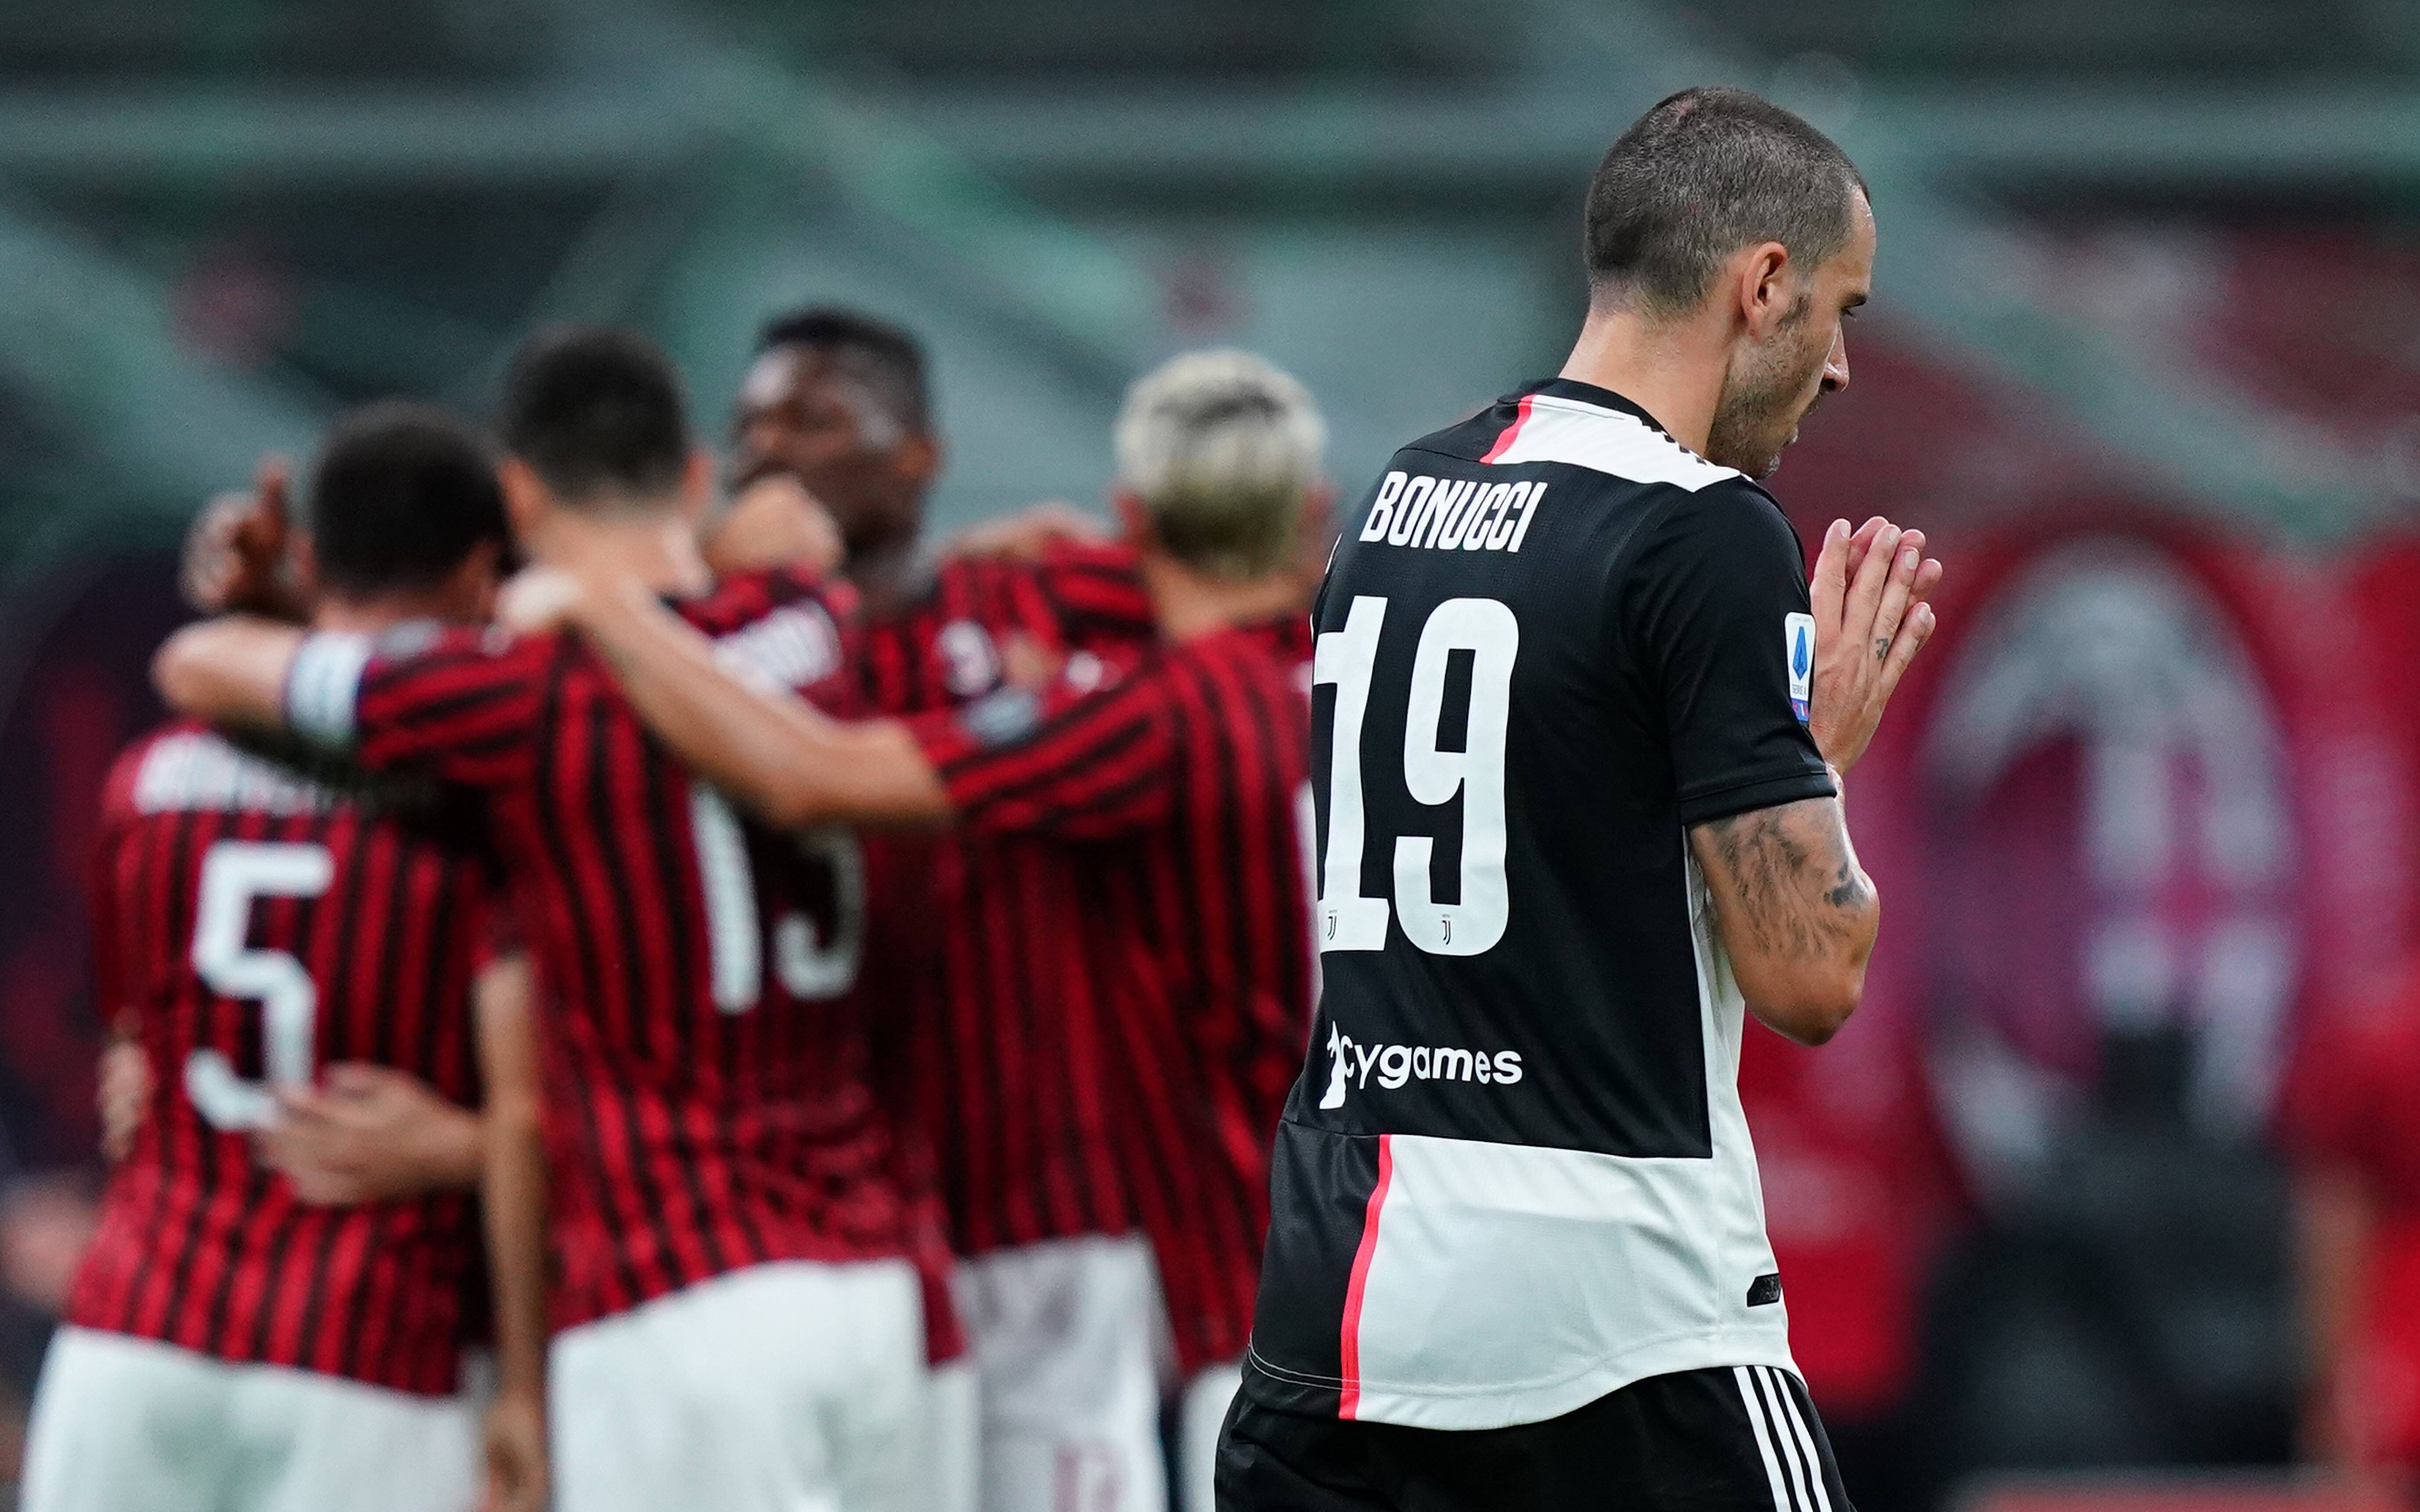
(867, 987)
(410, 905)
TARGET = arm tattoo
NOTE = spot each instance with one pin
(1848, 888)
(1795, 898)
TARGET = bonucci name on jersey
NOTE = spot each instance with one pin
(1514, 1175)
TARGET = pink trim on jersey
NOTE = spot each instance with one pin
(1348, 1402)
(1504, 442)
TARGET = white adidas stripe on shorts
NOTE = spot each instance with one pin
(1790, 1463)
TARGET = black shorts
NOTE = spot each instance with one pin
(1744, 1440)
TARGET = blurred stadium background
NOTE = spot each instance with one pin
(2144, 360)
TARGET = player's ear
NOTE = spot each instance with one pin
(525, 496)
(1766, 287)
(469, 593)
(919, 459)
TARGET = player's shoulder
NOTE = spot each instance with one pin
(1731, 519)
(1095, 594)
(1105, 565)
(1263, 667)
(186, 766)
(1558, 464)
(1601, 437)
(998, 594)
(779, 624)
(742, 597)
(433, 645)
(1272, 649)
(118, 790)
(1004, 595)
(1594, 437)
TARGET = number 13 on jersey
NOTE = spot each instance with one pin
(1348, 658)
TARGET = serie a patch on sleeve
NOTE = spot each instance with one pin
(1799, 642)
(1002, 718)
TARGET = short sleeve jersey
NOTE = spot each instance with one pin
(256, 925)
(964, 930)
(1514, 1175)
(1163, 807)
(705, 1047)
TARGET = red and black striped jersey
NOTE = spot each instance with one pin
(982, 924)
(957, 638)
(953, 641)
(1148, 1040)
(256, 925)
(705, 1048)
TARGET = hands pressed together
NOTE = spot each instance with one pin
(1871, 592)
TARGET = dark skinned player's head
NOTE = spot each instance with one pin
(404, 508)
(839, 401)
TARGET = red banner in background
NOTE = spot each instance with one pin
(2148, 773)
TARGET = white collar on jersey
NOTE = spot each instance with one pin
(1554, 427)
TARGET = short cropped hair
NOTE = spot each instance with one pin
(1221, 448)
(1703, 174)
(598, 415)
(400, 495)
(884, 357)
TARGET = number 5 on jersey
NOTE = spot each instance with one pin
(234, 873)
(1432, 777)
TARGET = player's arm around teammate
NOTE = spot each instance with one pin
(371, 1132)
(792, 765)
(368, 1131)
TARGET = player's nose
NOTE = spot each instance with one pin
(1835, 364)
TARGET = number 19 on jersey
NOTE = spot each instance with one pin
(1348, 658)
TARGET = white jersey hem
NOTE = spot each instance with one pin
(1465, 1408)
